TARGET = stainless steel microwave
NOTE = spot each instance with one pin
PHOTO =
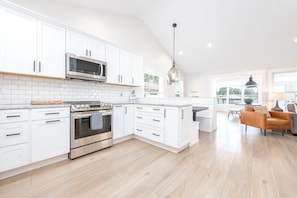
(78, 67)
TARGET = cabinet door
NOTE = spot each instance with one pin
(117, 122)
(186, 123)
(2, 38)
(125, 67)
(51, 50)
(129, 114)
(171, 136)
(19, 43)
(136, 70)
(113, 64)
(96, 49)
(50, 138)
(76, 44)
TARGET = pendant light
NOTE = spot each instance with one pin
(173, 74)
(250, 83)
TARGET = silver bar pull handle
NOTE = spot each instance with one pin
(156, 109)
(13, 116)
(119, 78)
(39, 65)
(90, 53)
(34, 66)
(164, 113)
(138, 117)
(138, 130)
(182, 117)
(125, 110)
(156, 134)
(87, 52)
(52, 121)
(138, 107)
(13, 134)
(156, 120)
(118, 106)
(54, 113)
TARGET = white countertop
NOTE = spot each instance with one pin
(29, 106)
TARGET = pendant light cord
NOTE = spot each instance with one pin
(173, 55)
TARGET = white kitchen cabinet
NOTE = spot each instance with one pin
(50, 136)
(14, 139)
(123, 120)
(82, 45)
(129, 117)
(118, 121)
(113, 64)
(178, 125)
(19, 42)
(149, 122)
(51, 50)
(123, 67)
(137, 70)
(31, 46)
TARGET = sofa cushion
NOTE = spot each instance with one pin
(262, 109)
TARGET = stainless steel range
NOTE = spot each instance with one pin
(90, 127)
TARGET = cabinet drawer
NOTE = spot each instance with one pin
(17, 115)
(13, 133)
(150, 109)
(49, 113)
(149, 119)
(14, 156)
(151, 133)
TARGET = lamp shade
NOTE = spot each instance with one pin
(173, 75)
(277, 96)
(250, 83)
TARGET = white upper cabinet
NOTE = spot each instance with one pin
(51, 50)
(31, 46)
(113, 64)
(82, 45)
(19, 42)
(137, 70)
(123, 67)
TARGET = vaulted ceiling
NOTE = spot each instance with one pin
(217, 35)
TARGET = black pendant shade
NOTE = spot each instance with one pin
(250, 83)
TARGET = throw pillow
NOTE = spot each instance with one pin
(295, 106)
(262, 109)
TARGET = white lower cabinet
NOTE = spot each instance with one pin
(14, 139)
(178, 126)
(129, 117)
(50, 136)
(122, 120)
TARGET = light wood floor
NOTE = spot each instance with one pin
(225, 163)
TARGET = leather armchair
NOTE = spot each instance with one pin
(277, 121)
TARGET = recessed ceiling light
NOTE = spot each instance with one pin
(180, 52)
(295, 40)
(209, 45)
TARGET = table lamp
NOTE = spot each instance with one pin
(277, 96)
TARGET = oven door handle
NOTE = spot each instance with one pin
(87, 115)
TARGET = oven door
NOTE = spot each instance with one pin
(82, 134)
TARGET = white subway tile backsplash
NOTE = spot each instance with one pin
(22, 89)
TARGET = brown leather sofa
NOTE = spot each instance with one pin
(277, 121)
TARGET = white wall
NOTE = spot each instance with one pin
(199, 83)
(125, 31)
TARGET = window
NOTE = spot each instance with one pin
(233, 91)
(152, 85)
(285, 82)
